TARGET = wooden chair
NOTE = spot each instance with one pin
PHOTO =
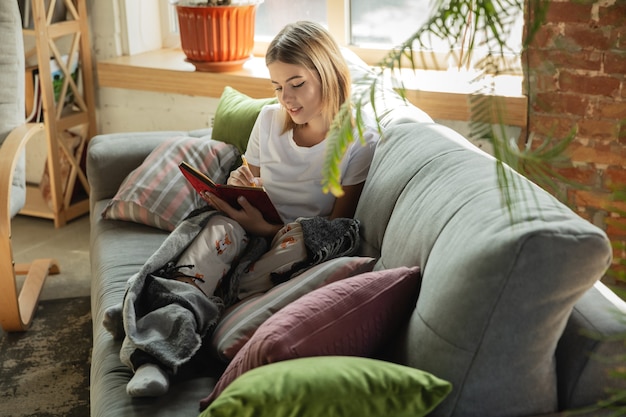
(17, 306)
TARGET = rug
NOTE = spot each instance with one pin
(44, 372)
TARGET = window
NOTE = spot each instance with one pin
(272, 15)
(369, 27)
(169, 24)
(381, 25)
(375, 27)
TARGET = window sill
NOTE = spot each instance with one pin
(166, 71)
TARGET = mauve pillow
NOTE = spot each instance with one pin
(351, 317)
(239, 322)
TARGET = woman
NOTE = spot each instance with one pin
(311, 80)
(286, 153)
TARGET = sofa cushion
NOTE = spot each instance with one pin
(599, 314)
(331, 386)
(235, 117)
(157, 194)
(498, 286)
(241, 320)
(351, 317)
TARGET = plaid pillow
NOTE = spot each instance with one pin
(157, 194)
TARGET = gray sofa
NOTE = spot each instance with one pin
(505, 298)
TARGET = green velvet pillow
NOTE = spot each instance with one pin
(324, 386)
(235, 117)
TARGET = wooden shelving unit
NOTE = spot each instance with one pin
(63, 42)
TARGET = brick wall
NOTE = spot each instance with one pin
(577, 80)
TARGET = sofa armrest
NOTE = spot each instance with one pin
(111, 157)
(593, 339)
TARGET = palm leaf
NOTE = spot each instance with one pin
(463, 24)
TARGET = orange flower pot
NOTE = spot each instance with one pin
(217, 38)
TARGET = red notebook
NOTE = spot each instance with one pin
(257, 196)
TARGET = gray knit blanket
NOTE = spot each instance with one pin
(324, 240)
(168, 319)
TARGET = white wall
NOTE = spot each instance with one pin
(120, 110)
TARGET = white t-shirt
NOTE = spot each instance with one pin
(292, 175)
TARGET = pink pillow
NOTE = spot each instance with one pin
(351, 317)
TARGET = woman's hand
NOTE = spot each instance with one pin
(249, 217)
(245, 175)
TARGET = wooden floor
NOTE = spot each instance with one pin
(35, 238)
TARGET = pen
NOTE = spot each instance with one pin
(245, 163)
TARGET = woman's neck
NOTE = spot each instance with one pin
(307, 136)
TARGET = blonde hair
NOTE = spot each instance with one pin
(310, 45)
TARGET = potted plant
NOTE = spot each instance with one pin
(217, 35)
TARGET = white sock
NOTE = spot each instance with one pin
(149, 381)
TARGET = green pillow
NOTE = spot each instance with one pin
(235, 117)
(323, 386)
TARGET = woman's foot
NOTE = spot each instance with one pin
(149, 381)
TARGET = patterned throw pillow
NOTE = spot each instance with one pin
(157, 194)
(351, 317)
